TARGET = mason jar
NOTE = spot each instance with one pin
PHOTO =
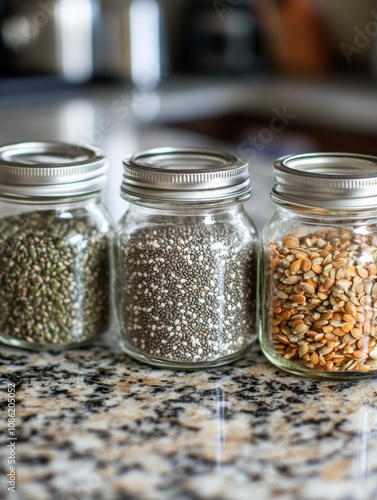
(54, 245)
(318, 267)
(186, 259)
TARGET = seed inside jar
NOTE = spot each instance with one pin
(323, 297)
(54, 277)
(188, 291)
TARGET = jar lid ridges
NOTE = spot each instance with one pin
(51, 169)
(326, 181)
(187, 174)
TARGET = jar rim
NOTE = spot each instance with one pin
(339, 181)
(190, 175)
(50, 169)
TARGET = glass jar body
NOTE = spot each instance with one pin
(186, 285)
(318, 293)
(54, 272)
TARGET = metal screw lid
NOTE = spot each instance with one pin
(338, 181)
(50, 170)
(185, 175)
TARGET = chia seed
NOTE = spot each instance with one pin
(54, 277)
(188, 291)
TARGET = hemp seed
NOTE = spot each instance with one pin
(54, 277)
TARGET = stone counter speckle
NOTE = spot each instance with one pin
(93, 424)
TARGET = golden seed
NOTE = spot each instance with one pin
(336, 323)
(327, 284)
(341, 272)
(327, 329)
(310, 274)
(362, 272)
(360, 354)
(363, 344)
(317, 260)
(337, 358)
(326, 350)
(364, 368)
(311, 333)
(360, 318)
(327, 259)
(320, 323)
(292, 280)
(295, 266)
(366, 300)
(309, 289)
(285, 315)
(348, 318)
(368, 288)
(314, 358)
(308, 364)
(319, 337)
(340, 258)
(306, 265)
(331, 344)
(347, 327)
(299, 299)
(319, 368)
(339, 332)
(327, 315)
(297, 316)
(303, 350)
(283, 339)
(275, 263)
(313, 281)
(372, 270)
(302, 328)
(357, 280)
(291, 241)
(285, 329)
(373, 354)
(324, 301)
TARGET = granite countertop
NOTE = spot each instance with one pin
(93, 424)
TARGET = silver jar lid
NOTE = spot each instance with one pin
(50, 170)
(187, 175)
(323, 181)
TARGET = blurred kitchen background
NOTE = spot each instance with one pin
(261, 78)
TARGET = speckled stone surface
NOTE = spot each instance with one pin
(93, 424)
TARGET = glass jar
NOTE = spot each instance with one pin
(54, 245)
(186, 259)
(318, 267)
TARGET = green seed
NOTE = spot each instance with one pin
(47, 295)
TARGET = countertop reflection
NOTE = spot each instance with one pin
(95, 424)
